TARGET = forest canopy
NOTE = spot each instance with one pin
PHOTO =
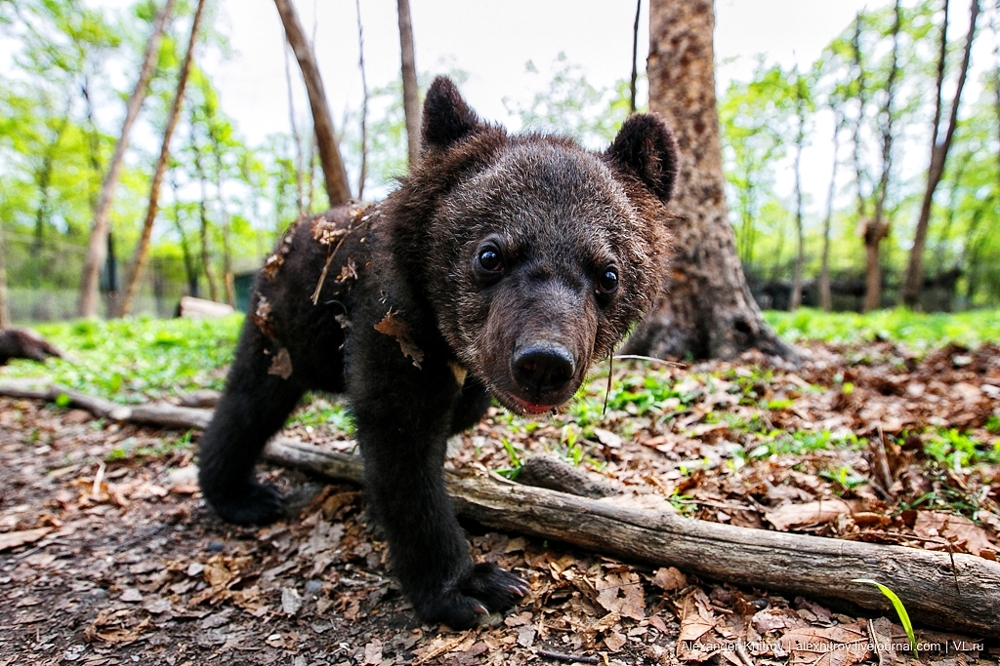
(226, 199)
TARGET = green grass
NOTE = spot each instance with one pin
(916, 330)
(133, 361)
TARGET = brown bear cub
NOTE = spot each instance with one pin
(502, 267)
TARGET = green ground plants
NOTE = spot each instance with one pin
(136, 360)
(916, 330)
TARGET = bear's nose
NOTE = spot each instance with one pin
(543, 369)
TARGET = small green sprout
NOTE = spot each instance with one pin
(897, 603)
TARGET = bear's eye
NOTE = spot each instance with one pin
(607, 283)
(490, 260)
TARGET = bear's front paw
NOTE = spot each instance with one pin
(255, 504)
(484, 590)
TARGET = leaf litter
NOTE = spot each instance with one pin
(108, 555)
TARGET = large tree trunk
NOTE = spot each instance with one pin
(706, 309)
(334, 173)
(411, 98)
(134, 270)
(98, 243)
(910, 293)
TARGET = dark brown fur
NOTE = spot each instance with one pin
(503, 266)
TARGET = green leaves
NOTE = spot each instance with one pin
(133, 361)
(917, 330)
(900, 610)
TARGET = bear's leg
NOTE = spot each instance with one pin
(402, 425)
(252, 408)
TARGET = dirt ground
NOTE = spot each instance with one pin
(108, 554)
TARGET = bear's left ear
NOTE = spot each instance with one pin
(646, 148)
(447, 118)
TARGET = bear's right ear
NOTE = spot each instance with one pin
(646, 148)
(447, 118)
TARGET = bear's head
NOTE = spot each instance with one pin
(535, 255)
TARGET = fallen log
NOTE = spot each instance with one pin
(162, 414)
(956, 592)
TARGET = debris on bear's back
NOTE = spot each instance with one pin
(274, 261)
(392, 325)
(261, 316)
(331, 229)
(281, 365)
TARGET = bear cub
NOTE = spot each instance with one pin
(501, 268)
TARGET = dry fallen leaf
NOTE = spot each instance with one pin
(697, 622)
(392, 325)
(669, 578)
(622, 593)
(373, 653)
(842, 645)
(14, 539)
(959, 530)
(281, 364)
(615, 641)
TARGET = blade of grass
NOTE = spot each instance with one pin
(897, 603)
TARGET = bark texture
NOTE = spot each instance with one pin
(411, 98)
(334, 173)
(956, 592)
(706, 310)
(97, 246)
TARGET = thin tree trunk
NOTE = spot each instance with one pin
(363, 172)
(93, 136)
(226, 224)
(800, 247)
(706, 309)
(335, 175)
(134, 270)
(635, 58)
(44, 213)
(296, 139)
(190, 271)
(206, 254)
(973, 248)
(825, 298)
(913, 281)
(940, 250)
(411, 97)
(877, 228)
(44, 181)
(97, 245)
(859, 79)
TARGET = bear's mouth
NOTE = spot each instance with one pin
(533, 408)
(529, 405)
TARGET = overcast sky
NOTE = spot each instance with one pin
(492, 41)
